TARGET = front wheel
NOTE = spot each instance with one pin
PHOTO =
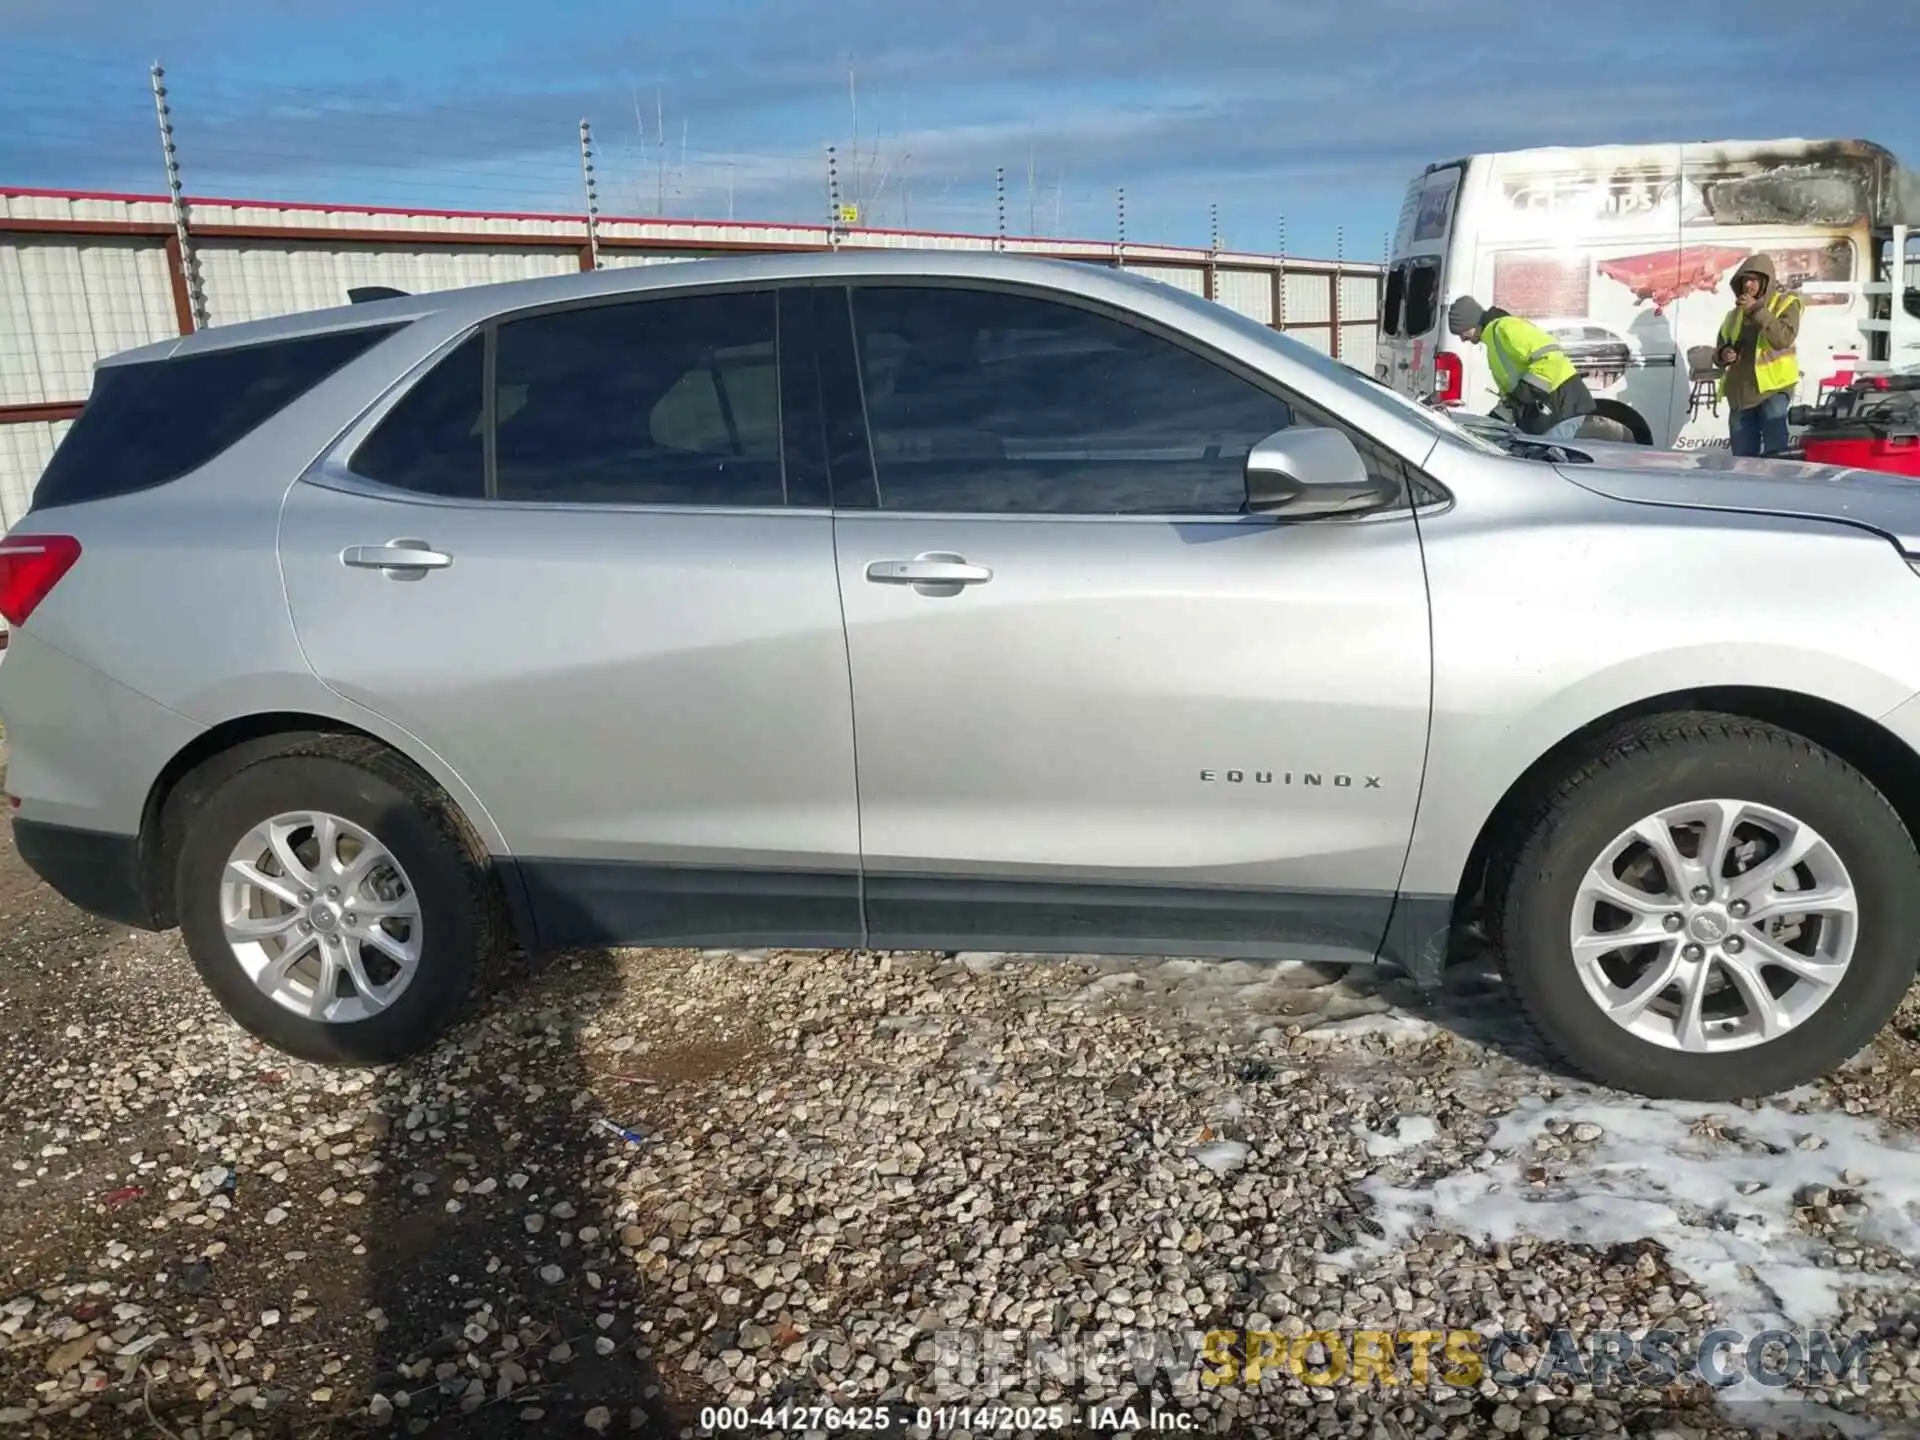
(1712, 909)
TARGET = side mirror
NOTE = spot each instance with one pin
(1309, 470)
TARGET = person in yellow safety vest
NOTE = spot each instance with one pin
(1759, 367)
(1530, 370)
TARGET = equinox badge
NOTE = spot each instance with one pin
(1290, 777)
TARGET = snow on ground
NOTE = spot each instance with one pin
(1717, 1186)
(1409, 1133)
(1721, 1188)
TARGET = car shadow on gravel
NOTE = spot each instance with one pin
(495, 1282)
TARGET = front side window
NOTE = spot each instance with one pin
(997, 403)
(652, 402)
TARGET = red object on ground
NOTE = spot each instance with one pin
(1895, 454)
(114, 1199)
(1663, 276)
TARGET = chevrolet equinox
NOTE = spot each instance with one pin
(917, 600)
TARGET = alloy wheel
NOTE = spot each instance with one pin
(1714, 926)
(321, 916)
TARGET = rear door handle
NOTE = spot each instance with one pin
(398, 559)
(936, 568)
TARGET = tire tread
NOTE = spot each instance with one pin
(493, 929)
(1558, 801)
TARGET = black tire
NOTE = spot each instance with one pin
(359, 780)
(1641, 769)
(1602, 427)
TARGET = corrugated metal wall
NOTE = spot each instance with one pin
(25, 449)
(84, 276)
(255, 281)
(65, 303)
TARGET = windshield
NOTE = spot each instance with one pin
(1350, 378)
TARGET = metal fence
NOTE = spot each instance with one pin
(85, 275)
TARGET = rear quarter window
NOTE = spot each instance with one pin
(152, 422)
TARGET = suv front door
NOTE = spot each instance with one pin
(633, 652)
(1096, 704)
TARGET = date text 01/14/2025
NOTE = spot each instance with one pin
(930, 1420)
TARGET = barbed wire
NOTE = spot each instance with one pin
(86, 123)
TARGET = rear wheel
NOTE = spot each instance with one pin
(1612, 420)
(335, 904)
(1602, 427)
(1711, 909)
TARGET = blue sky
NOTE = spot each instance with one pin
(1318, 114)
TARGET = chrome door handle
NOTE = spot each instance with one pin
(397, 559)
(930, 569)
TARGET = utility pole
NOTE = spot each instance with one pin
(833, 198)
(853, 112)
(184, 260)
(1030, 220)
(1280, 281)
(593, 199)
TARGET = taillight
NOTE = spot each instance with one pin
(30, 566)
(1449, 378)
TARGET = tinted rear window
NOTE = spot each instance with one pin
(149, 423)
(1390, 303)
(1423, 293)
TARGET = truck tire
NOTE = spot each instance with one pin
(1601, 427)
(1646, 918)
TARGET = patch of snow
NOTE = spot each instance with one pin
(1393, 1025)
(980, 961)
(1230, 1108)
(1714, 1185)
(1409, 1132)
(1222, 1157)
(1804, 1418)
(1111, 984)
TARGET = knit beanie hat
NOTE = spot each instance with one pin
(1464, 314)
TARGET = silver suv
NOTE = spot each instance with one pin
(916, 600)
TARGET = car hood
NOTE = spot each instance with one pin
(1888, 505)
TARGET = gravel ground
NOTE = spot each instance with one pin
(831, 1163)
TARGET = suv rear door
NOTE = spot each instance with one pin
(1096, 704)
(621, 623)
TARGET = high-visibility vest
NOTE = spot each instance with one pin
(1520, 352)
(1772, 369)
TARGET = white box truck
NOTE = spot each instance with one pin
(1625, 253)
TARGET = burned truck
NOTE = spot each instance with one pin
(1638, 244)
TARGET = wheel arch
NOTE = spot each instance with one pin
(265, 733)
(1872, 749)
(1624, 414)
